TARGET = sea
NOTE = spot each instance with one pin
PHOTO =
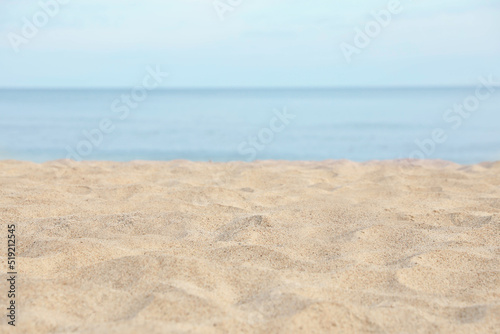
(359, 124)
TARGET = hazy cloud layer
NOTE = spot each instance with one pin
(260, 43)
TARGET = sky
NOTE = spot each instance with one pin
(256, 43)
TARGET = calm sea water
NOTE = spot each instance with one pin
(223, 125)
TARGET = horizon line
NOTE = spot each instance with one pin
(248, 88)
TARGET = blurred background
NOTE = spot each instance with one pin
(361, 80)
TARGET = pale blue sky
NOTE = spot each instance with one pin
(109, 43)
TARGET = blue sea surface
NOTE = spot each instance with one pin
(241, 124)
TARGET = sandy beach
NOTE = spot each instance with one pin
(264, 247)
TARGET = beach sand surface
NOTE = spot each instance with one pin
(264, 247)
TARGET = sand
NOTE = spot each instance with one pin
(265, 247)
